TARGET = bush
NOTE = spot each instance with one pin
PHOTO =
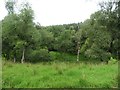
(39, 55)
(112, 61)
(97, 53)
(53, 55)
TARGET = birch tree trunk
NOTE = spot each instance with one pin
(14, 59)
(78, 52)
(23, 56)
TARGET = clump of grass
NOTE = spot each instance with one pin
(59, 69)
(83, 82)
(34, 72)
(28, 65)
(45, 78)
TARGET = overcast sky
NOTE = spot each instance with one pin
(53, 12)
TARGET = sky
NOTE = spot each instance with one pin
(54, 12)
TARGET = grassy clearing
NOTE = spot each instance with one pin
(59, 75)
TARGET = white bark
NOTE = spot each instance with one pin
(78, 52)
(23, 56)
(14, 59)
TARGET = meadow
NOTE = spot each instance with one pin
(78, 54)
(59, 75)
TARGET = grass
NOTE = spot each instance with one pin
(59, 75)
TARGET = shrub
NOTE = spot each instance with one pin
(39, 55)
(112, 61)
(97, 53)
(53, 55)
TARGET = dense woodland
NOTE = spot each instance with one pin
(25, 41)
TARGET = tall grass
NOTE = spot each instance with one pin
(59, 75)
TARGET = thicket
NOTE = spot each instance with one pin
(26, 41)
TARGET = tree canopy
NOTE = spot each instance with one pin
(97, 37)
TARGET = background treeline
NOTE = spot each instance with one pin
(97, 37)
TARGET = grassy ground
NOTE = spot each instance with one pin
(59, 75)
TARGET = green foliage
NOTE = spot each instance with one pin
(38, 55)
(112, 61)
(96, 52)
(18, 33)
(64, 41)
(53, 55)
(10, 6)
(46, 39)
(57, 56)
(86, 45)
(98, 37)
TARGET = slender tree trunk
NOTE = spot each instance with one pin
(14, 59)
(78, 52)
(14, 56)
(23, 56)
